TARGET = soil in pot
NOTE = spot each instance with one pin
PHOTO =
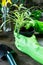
(27, 32)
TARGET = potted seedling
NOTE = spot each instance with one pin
(25, 40)
(22, 20)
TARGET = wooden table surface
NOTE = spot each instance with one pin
(20, 58)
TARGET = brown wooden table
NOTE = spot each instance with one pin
(20, 58)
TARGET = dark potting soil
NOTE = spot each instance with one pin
(27, 32)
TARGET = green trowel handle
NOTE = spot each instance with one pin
(10, 58)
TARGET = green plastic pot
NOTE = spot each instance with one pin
(30, 46)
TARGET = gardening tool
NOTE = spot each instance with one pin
(4, 51)
(5, 11)
(28, 44)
